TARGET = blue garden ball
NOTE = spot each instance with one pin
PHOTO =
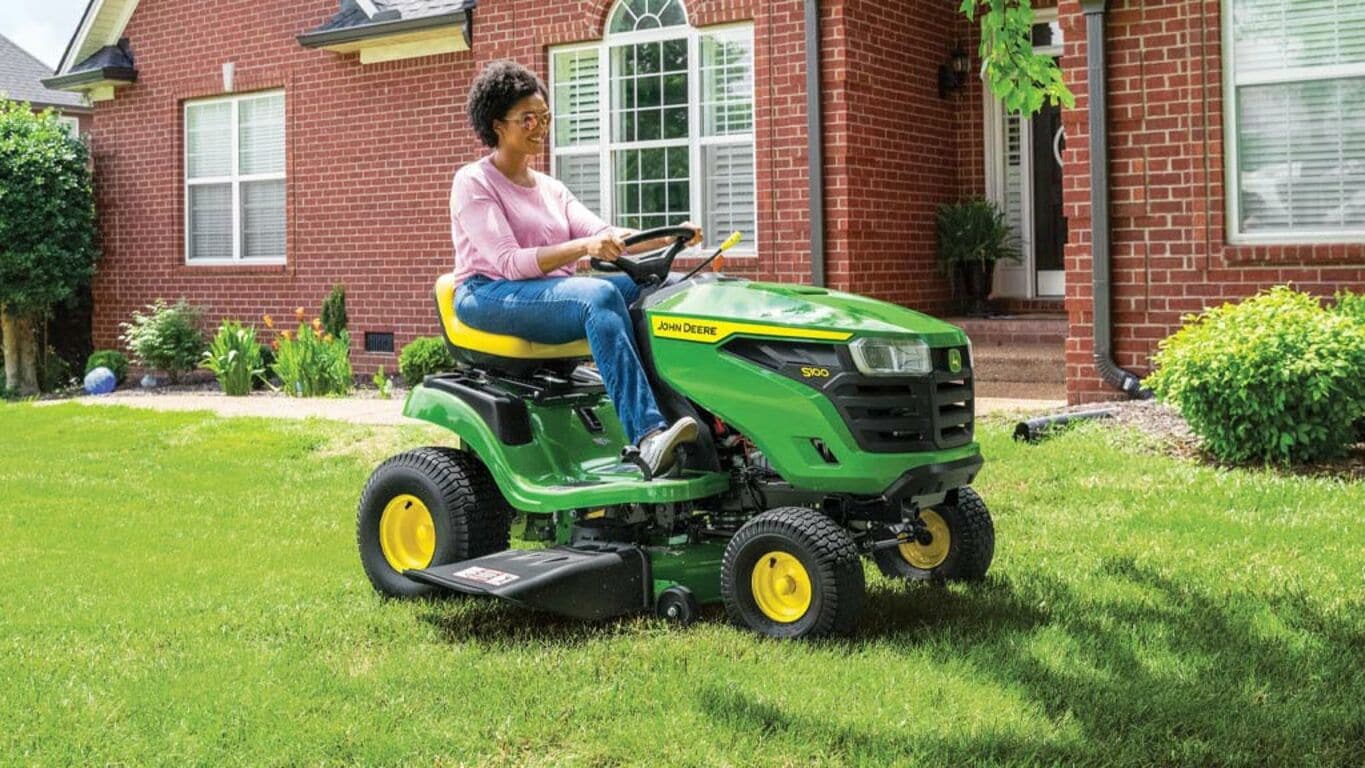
(100, 381)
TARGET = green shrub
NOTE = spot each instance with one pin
(234, 357)
(426, 355)
(1274, 378)
(54, 372)
(334, 311)
(111, 359)
(167, 338)
(1352, 305)
(311, 362)
(383, 383)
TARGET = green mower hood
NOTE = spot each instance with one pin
(800, 311)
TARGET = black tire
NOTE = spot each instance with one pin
(824, 550)
(468, 513)
(971, 544)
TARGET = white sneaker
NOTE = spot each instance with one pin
(657, 448)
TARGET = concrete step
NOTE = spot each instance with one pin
(1013, 329)
(1029, 363)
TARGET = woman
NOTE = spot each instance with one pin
(518, 235)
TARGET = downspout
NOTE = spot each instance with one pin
(1102, 324)
(814, 138)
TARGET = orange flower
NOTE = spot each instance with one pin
(327, 338)
(298, 314)
(275, 344)
(288, 335)
(269, 323)
(317, 324)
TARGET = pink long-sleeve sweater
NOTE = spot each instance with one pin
(497, 225)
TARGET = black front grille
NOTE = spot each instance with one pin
(906, 414)
(900, 414)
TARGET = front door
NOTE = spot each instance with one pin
(1049, 225)
(1024, 177)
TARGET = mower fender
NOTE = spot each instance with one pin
(450, 412)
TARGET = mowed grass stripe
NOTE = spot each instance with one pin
(182, 589)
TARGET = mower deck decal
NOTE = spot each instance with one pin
(486, 576)
(715, 331)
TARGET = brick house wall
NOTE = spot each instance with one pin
(1170, 254)
(371, 151)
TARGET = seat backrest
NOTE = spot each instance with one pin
(445, 305)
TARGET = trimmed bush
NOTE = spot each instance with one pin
(166, 338)
(1276, 378)
(111, 359)
(426, 355)
(334, 311)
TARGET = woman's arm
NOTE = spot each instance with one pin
(485, 223)
(660, 242)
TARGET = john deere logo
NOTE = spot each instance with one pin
(954, 360)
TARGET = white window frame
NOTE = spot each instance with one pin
(695, 140)
(1231, 178)
(73, 125)
(235, 179)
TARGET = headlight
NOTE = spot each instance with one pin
(891, 357)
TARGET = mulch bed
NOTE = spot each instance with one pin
(1169, 434)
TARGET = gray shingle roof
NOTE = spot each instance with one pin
(352, 17)
(21, 77)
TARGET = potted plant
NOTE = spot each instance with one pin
(972, 236)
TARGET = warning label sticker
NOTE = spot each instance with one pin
(486, 576)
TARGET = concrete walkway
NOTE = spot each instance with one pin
(360, 410)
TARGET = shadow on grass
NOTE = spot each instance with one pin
(1177, 676)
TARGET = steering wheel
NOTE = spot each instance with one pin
(648, 268)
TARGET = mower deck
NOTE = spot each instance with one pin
(587, 581)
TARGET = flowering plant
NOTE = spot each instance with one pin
(309, 361)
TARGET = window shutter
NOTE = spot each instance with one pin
(729, 197)
(580, 173)
(577, 90)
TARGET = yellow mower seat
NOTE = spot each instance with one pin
(496, 344)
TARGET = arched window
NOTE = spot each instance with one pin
(637, 15)
(654, 124)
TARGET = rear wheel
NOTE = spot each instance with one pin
(960, 547)
(792, 572)
(425, 507)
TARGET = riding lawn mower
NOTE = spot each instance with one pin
(834, 427)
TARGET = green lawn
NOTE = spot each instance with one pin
(180, 589)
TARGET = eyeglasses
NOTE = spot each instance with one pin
(531, 120)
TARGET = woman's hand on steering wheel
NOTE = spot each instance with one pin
(696, 238)
(606, 246)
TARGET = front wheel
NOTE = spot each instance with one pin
(960, 547)
(425, 507)
(792, 572)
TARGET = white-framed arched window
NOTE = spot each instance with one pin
(655, 123)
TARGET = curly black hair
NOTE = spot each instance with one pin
(500, 85)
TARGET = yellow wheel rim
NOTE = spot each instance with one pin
(407, 534)
(929, 556)
(781, 587)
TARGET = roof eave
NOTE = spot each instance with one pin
(90, 78)
(379, 30)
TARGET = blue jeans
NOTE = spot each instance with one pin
(558, 310)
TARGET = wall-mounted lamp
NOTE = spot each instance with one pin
(952, 74)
